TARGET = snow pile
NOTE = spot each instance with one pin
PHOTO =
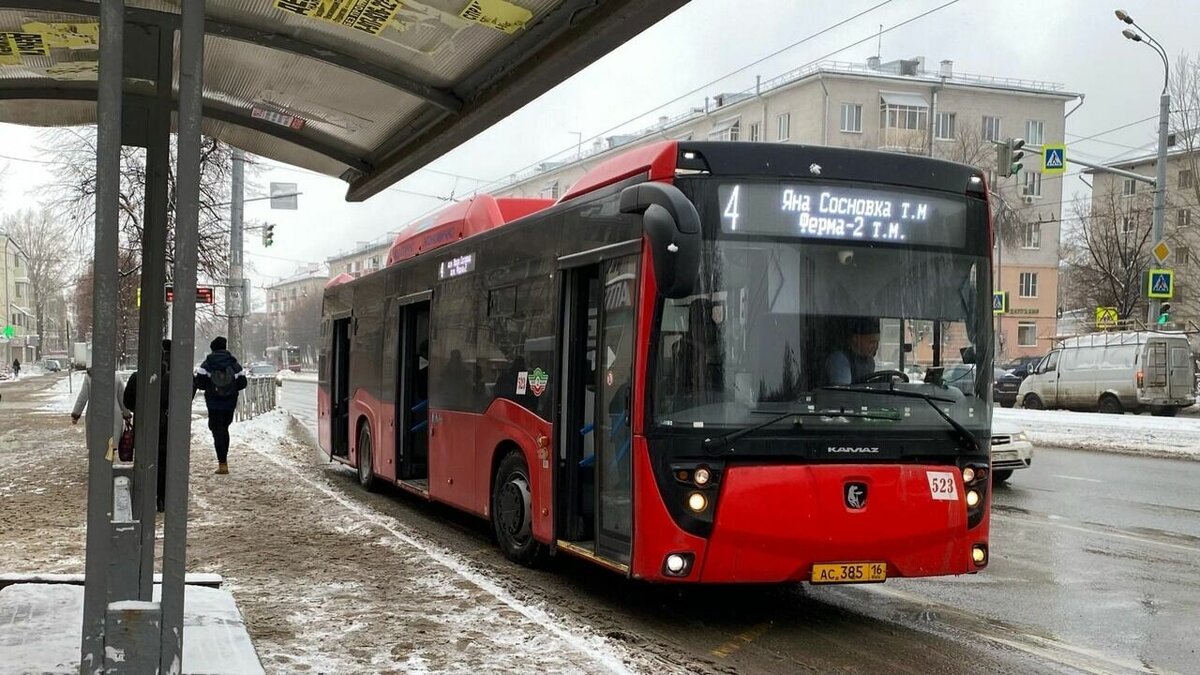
(1133, 434)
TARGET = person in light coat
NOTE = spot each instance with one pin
(120, 412)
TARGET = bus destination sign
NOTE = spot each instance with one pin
(857, 214)
(456, 267)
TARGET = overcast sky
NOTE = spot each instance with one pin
(1075, 42)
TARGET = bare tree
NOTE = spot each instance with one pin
(74, 195)
(45, 240)
(971, 148)
(1106, 254)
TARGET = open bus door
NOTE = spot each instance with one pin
(412, 391)
(339, 383)
(595, 432)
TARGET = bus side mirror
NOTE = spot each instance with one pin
(673, 229)
(968, 354)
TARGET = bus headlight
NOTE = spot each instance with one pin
(702, 476)
(969, 474)
(697, 502)
(972, 498)
(979, 554)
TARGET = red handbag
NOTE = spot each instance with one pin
(125, 446)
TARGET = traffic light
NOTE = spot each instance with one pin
(1164, 313)
(268, 236)
(1008, 156)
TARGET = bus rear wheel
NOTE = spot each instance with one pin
(366, 472)
(512, 511)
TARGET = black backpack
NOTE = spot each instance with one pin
(223, 382)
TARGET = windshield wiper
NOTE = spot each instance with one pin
(966, 437)
(721, 443)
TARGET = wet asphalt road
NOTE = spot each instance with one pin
(1095, 568)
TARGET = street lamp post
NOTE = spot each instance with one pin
(1164, 112)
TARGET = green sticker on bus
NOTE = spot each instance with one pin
(537, 381)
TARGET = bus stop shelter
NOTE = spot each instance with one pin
(367, 91)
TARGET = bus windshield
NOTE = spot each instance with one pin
(809, 322)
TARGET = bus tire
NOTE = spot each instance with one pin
(512, 511)
(1032, 402)
(1111, 405)
(366, 472)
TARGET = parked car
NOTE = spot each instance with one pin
(1005, 387)
(261, 369)
(1113, 373)
(961, 376)
(51, 365)
(1011, 450)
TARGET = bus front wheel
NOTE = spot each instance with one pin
(512, 511)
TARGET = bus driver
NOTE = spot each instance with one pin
(856, 363)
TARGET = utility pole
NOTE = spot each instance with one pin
(234, 289)
(1160, 174)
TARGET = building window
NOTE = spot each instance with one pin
(1034, 132)
(1185, 217)
(1027, 334)
(852, 118)
(1033, 235)
(1028, 286)
(1185, 178)
(784, 126)
(991, 177)
(1033, 184)
(725, 131)
(756, 132)
(1128, 224)
(903, 117)
(549, 190)
(991, 128)
(1183, 256)
(1129, 187)
(943, 126)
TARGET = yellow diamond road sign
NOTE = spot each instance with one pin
(1106, 317)
(1161, 252)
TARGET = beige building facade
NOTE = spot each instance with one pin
(900, 106)
(1133, 203)
(308, 282)
(16, 300)
(364, 259)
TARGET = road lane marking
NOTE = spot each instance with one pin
(1088, 480)
(1081, 658)
(609, 661)
(1099, 532)
(741, 640)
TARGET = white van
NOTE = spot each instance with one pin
(1114, 372)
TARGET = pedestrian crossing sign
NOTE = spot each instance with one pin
(1106, 317)
(1161, 284)
(1000, 302)
(1054, 159)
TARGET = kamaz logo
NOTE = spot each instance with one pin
(852, 449)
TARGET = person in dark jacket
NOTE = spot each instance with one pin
(221, 377)
(164, 395)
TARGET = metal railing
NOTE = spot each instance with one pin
(257, 398)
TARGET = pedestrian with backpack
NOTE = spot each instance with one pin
(220, 377)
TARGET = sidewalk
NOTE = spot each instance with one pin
(41, 629)
(326, 580)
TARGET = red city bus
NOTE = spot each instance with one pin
(707, 363)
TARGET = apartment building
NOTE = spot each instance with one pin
(365, 258)
(17, 322)
(282, 297)
(1131, 204)
(897, 106)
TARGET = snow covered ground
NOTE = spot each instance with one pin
(327, 581)
(1133, 434)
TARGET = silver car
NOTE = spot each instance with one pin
(1011, 450)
